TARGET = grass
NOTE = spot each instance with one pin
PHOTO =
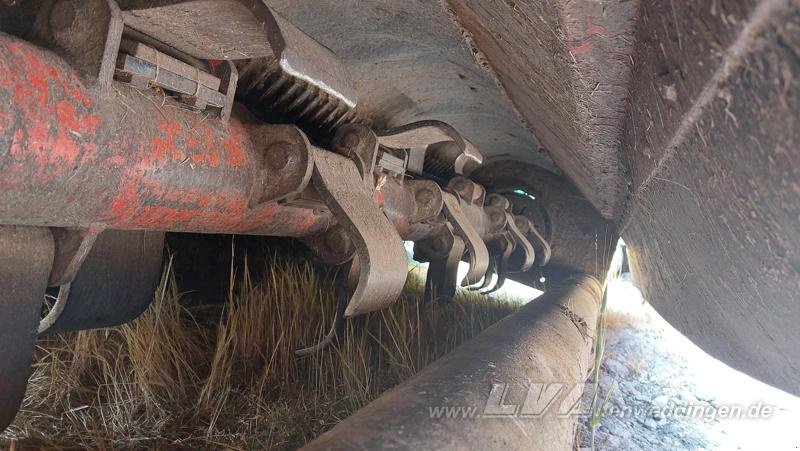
(597, 406)
(225, 375)
(617, 320)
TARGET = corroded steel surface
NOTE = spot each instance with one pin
(127, 163)
(714, 220)
(548, 340)
(565, 64)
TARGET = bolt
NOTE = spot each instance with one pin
(63, 15)
(278, 155)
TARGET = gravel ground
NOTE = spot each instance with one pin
(659, 391)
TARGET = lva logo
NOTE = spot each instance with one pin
(559, 400)
(535, 399)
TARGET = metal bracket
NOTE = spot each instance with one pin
(444, 252)
(487, 278)
(501, 250)
(442, 275)
(358, 143)
(420, 139)
(382, 260)
(468, 190)
(477, 254)
(509, 245)
(287, 69)
(526, 228)
(428, 202)
(542, 247)
(523, 257)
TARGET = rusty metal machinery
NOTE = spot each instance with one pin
(122, 125)
(518, 345)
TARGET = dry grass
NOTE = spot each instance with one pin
(225, 376)
(617, 320)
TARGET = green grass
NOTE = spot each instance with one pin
(225, 375)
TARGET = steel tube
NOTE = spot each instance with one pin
(397, 201)
(499, 374)
(68, 159)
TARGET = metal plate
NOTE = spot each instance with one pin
(116, 282)
(201, 28)
(25, 261)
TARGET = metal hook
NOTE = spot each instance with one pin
(337, 327)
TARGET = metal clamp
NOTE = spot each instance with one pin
(287, 162)
(382, 259)
(523, 257)
(433, 145)
(444, 253)
(543, 251)
(477, 254)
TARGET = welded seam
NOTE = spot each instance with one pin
(746, 42)
(579, 322)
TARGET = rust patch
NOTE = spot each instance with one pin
(579, 322)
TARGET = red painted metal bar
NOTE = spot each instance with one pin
(132, 162)
(129, 162)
